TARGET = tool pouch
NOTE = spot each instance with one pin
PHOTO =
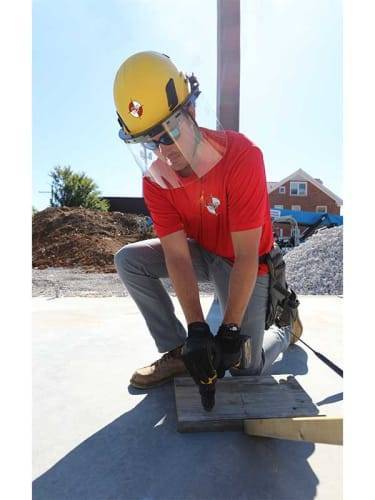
(282, 300)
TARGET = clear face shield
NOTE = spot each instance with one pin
(180, 152)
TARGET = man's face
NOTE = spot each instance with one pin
(170, 154)
(180, 153)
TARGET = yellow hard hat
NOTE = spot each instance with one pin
(148, 88)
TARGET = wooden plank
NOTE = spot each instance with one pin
(239, 399)
(318, 429)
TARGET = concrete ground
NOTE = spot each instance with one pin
(95, 438)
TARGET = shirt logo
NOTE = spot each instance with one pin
(212, 205)
(135, 109)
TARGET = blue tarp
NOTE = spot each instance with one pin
(310, 218)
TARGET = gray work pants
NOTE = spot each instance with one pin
(141, 264)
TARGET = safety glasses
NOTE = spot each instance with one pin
(166, 139)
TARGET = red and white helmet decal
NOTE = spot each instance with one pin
(135, 109)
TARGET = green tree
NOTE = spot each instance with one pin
(35, 211)
(70, 189)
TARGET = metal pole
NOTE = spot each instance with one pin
(228, 63)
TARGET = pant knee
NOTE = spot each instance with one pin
(124, 259)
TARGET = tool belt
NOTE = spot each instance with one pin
(282, 300)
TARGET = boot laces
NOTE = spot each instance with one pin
(166, 357)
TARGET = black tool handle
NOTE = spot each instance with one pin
(325, 360)
(332, 365)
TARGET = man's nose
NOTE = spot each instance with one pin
(167, 148)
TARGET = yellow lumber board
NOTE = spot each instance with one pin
(316, 429)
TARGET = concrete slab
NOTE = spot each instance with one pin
(95, 438)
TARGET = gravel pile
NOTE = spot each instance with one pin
(316, 266)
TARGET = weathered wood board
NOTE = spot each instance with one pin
(239, 399)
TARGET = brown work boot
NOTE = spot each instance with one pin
(297, 329)
(161, 371)
(290, 317)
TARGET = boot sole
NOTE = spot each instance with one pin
(156, 384)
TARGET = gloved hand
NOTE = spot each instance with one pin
(201, 356)
(230, 342)
(200, 353)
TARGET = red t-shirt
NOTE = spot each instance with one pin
(232, 196)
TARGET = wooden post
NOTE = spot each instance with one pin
(317, 429)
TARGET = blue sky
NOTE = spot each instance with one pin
(291, 90)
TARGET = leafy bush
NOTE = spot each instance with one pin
(70, 189)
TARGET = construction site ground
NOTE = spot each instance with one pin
(96, 438)
(75, 282)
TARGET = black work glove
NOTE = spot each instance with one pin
(200, 353)
(229, 341)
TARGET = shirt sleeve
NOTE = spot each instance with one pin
(164, 215)
(247, 191)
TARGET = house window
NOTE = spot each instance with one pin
(321, 208)
(298, 189)
(282, 189)
(278, 207)
(296, 207)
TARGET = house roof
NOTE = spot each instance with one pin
(301, 175)
(271, 185)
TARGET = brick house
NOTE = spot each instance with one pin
(300, 191)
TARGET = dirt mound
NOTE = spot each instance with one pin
(81, 237)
